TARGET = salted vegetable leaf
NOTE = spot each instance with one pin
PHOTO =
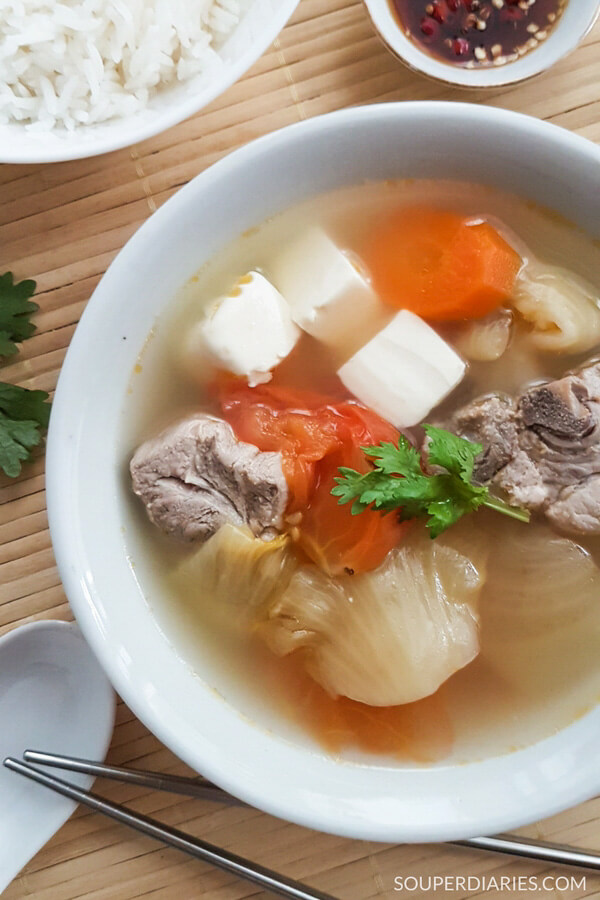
(385, 637)
(235, 572)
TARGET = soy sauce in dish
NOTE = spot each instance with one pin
(475, 33)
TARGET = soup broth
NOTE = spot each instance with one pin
(536, 672)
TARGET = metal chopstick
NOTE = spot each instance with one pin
(216, 856)
(173, 784)
(529, 848)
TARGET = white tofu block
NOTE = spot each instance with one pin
(329, 297)
(404, 371)
(249, 331)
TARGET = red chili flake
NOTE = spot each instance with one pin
(440, 11)
(510, 14)
(429, 28)
(461, 46)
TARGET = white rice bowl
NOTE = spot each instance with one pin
(81, 77)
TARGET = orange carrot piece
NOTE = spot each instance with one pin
(436, 264)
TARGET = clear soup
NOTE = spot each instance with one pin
(538, 668)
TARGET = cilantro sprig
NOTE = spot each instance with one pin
(24, 413)
(16, 308)
(398, 482)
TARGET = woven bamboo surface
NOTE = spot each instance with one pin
(62, 224)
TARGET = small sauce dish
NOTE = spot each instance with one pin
(458, 41)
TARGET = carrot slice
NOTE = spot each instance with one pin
(440, 266)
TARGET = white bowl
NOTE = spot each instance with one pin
(259, 26)
(88, 488)
(573, 25)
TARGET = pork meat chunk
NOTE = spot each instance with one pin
(543, 448)
(196, 476)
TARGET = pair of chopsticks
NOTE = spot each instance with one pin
(562, 854)
(175, 784)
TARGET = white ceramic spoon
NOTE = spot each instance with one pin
(55, 696)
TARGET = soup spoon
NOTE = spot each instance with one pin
(53, 693)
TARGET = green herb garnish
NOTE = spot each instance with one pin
(23, 415)
(397, 482)
(15, 309)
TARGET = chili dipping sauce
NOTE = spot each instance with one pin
(474, 33)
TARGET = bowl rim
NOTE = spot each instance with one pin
(296, 805)
(410, 54)
(85, 147)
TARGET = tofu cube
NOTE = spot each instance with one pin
(404, 371)
(247, 332)
(328, 295)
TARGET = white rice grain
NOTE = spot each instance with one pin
(80, 62)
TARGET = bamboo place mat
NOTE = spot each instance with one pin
(62, 224)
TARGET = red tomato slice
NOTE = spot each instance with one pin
(335, 539)
(366, 426)
(298, 424)
(315, 436)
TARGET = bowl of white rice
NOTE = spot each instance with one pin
(84, 77)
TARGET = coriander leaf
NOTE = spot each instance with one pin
(362, 488)
(397, 482)
(442, 514)
(21, 403)
(381, 491)
(17, 437)
(23, 416)
(453, 453)
(15, 310)
(414, 494)
(457, 498)
(401, 460)
(350, 487)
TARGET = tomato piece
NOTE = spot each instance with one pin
(298, 424)
(234, 391)
(440, 266)
(335, 539)
(315, 436)
(329, 534)
(366, 427)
